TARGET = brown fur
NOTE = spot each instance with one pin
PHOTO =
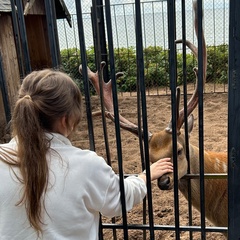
(216, 194)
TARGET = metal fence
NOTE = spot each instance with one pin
(148, 228)
(154, 22)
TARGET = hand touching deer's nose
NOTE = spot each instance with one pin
(161, 167)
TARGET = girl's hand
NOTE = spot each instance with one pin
(159, 168)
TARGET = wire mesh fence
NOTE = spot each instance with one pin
(155, 44)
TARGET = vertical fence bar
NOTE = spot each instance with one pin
(98, 60)
(184, 69)
(52, 32)
(86, 86)
(104, 54)
(142, 96)
(17, 39)
(200, 116)
(23, 35)
(100, 39)
(116, 115)
(141, 85)
(4, 92)
(113, 77)
(84, 73)
(141, 143)
(173, 85)
(234, 123)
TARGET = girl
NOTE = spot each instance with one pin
(49, 188)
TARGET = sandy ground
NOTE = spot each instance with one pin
(158, 110)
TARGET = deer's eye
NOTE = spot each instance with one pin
(179, 152)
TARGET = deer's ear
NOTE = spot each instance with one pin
(190, 123)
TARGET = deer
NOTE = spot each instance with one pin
(161, 146)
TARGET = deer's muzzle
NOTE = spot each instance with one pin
(164, 182)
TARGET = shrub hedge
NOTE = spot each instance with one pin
(156, 66)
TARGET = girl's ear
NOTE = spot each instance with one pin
(63, 121)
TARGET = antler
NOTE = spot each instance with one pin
(108, 100)
(192, 103)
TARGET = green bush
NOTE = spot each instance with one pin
(156, 66)
(125, 61)
(190, 64)
(217, 67)
(70, 61)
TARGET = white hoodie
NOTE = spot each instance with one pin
(81, 185)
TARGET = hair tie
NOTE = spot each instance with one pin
(28, 97)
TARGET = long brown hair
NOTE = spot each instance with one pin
(44, 97)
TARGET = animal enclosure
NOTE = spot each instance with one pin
(155, 121)
(197, 172)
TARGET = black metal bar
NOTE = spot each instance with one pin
(17, 39)
(116, 114)
(142, 154)
(104, 54)
(207, 176)
(173, 85)
(167, 227)
(52, 32)
(112, 66)
(94, 31)
(86, 86)
(197, 176)
(4, 92)
(142, 97)
(200, 117)
(184, 69)
(98, 60)
(85, 74)
(139, 114)
(234, 122)
(23, 35)
(141, 148)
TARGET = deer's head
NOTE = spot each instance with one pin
(160, 143)
(160, 146)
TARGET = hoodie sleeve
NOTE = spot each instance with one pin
(107, 189)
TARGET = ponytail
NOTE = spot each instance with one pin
(32, 149)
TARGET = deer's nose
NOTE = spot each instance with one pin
(164, 182)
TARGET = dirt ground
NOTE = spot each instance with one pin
(158, 110)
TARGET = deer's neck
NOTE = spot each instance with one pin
(213, 163)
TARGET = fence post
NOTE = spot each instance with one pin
(3, 89)
(23, 35)
(52, 32)
(234, 122)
